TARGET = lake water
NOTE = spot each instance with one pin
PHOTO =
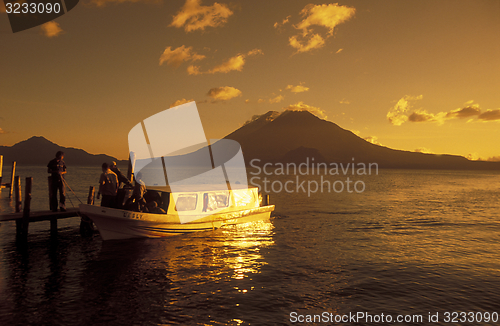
(413, 243)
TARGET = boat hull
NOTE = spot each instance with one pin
(121, 224)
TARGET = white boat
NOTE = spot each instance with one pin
(186, 210)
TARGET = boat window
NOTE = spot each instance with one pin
(215, 200)
(186, 202)
(243, 198)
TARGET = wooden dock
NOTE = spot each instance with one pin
(40, 215)
(25, 217)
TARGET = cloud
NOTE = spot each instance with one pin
(493, 159)
(223, 93)
(467, 112)
(270, 117)
(314, 42)
(277, 99)
(326, 16)
(490, 115)
(193, 16)
(179, 102)
(339, 50)
(344, 101)
(193, 70)
(423, 150)
(2, 131)
(235, 63)
(286, 20)
(373, 140)
(397, 115)
(51, 29)
(297, 89)
(300, 106)
(473, 157)
(400, 113)
(177, 56)
(422, 115)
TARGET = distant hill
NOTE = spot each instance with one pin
(292, 136)
(39, 151)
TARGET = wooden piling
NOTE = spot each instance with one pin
(265, 200)
(90, 198)
(12, 178)
(1, 168)
(53, 226)
(49, 182)
(17, 192)
(86, 224)
(22, 224)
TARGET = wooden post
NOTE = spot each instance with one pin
(17, 191)
(12, 178)
(131, 165)
(22, 224)
(90, 199)
(1, 167)
(53, 226)
(86, 225)
(51, 194)
(265, 200)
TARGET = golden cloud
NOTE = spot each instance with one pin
(423, 150)
(235, 63)
(177, 56)
(277, 99)
(421, 115)
(314, 42)
(327, 16)
(51, 29)
(300, 106)
(397, 115)
(490, 115)
(270, 116)
(297, 89)
(286, 20)
(373, 140)
(179, 102)
(463, 113)
(194, 16)
(223, 93)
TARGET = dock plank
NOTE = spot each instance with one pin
(40, 215)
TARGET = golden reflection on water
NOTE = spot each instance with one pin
(247, 247)
(233, 252)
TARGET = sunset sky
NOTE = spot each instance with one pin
(410, 75)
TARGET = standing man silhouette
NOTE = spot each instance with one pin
(57, 169)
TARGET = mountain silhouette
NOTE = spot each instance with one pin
(39, 151)
(294, 136)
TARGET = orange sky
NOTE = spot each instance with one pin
(411, 75)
